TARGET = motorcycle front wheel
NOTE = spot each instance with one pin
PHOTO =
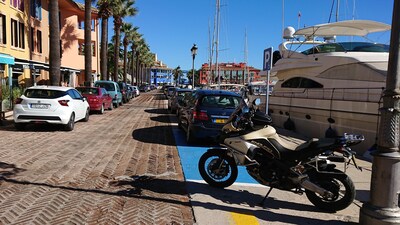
(340, 185)
(218, 169)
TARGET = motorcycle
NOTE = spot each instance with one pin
(249, 140)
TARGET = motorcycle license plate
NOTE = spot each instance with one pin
(219, 120)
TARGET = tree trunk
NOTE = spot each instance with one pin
(103, 49)
(55, 44)
(125, 60)
(133, 62)
(117, 27)
(88, 42)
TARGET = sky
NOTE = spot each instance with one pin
(171, 27)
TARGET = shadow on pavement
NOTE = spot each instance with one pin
(244, 197)
(157, 111)
(124, 193)
(161, 119)
(156, 135)
(9, 170)
(136, 184)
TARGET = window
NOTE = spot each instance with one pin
(299, 82)
(81, 48)
(3, 29)
(36, 9)
(19, 4)
(32, 39)
(17, 34)
(39, 41)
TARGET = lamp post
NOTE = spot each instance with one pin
(194, 53)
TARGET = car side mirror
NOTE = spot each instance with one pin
(84, 99)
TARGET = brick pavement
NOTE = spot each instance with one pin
(119, 168)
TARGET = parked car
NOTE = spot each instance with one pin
(113, 89)
(204, 112)
(50, 104)
(136, 90)
(98, 98)
(126, 94)
(165, 89)
(144, 88)
(132, 91)
(171, 91)
(177, 96)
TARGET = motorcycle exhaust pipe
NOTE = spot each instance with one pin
(304, 182)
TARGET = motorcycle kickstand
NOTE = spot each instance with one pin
(262, 202)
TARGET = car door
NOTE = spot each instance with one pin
(79, 105)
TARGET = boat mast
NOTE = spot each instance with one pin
(216, 44)
(245, 58)
(210, 48)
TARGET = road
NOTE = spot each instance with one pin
(132, 166)
(118, 168)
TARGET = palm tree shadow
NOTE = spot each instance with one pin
(156, 135)
(9, 170)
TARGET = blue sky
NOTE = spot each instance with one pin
(170, 27)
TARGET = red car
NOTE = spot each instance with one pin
(98, 98)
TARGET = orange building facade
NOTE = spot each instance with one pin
(24, 38)
(233, 73)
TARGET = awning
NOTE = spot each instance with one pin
(6, 59)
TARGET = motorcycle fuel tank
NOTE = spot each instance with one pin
(240, 148)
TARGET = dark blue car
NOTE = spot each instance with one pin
(205, 112)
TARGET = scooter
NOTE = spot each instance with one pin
(249, 140)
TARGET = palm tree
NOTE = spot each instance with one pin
(141, 49)
(121, 9)
(135, 39)
(105, 11)
(129, 32)
(88, 41)
(55, 49)
(177, 73)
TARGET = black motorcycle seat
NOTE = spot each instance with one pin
(303, 149)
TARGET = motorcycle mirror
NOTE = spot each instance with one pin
(257, 101)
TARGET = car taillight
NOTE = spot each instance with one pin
(18, 101)
(63, 102)
(202, 115)
(94, 99)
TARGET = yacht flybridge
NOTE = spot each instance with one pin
(327, 87)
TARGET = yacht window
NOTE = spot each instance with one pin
(301, 82)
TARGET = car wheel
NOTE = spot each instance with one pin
(71, 123)
(86, 116)
(121, 103)
(101, 109)
(111, 106)
(20, 126)
(116, 105)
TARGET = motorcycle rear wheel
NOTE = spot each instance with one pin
(218, 169)
(340, 185)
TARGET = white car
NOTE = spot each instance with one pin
(50, 104)
(137, 90)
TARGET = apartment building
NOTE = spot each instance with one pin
(234, 73)
(24, 42)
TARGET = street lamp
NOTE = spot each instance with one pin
(194, 53)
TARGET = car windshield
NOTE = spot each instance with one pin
(220, 101)
(107, 86)
(90, 91)
(41, 93)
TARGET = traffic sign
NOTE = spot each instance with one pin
(267, 64)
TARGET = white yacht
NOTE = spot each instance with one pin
(330, 87)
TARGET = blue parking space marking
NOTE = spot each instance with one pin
(190, 156)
